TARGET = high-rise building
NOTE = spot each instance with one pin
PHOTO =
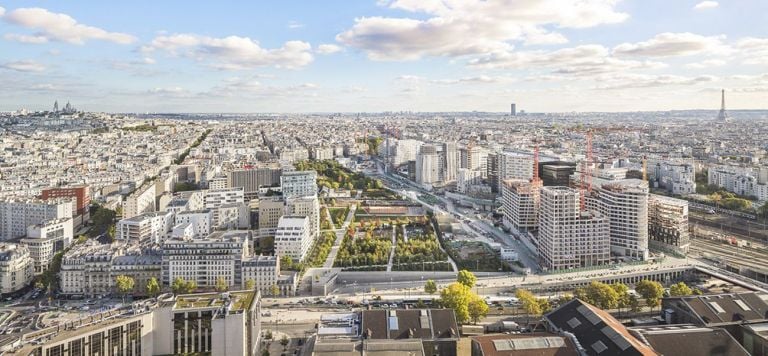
(467, 178)
(520, 203)
(668, 224)
(625, 203)
(570, 238)
(513, 109)
(450, 164)
(492, 172)
(252, 179)
(514, 165)
(270, 211)
(557, 173)
(299, 184)
(427, 172)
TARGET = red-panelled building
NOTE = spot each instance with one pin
(82, 193)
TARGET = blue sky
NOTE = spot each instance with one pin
(347, 56)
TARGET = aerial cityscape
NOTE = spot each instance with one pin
(396, 177)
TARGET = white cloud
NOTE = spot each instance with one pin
(24, 66)
(295, 24)
(172, 92)
(670, 44)
(482, 79)
(754, 50)
(709, 63)
(59, 27)
(233, 52)
(249, 87)
(626, 81)
(706, 5)
(471, 27)
(25, 38)
(328, 48)
(2, 11)
(580, 60)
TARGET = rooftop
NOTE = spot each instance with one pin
(535, 344)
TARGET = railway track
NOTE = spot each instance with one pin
(733, 255)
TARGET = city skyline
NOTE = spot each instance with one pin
(545, 56)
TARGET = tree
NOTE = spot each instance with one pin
(153, 287)
(268, 335)
(679, 290)
(466, 278)
(430, 287)
(529, 303)
(622, 293)
(477, 308)
(178, 286)
(651, 291)
(250, 284)
(763, 210)
(599, 294)
(39, 285)
(190, 287)
(265, 352)
(634, 303)
(286, 262)
(275, 290)
(284, 341)
(544, 305)
(457, 297)
(697, 292)
(111, 233)
(221, 284)
(124, 284)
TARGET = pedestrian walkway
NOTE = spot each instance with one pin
(339, 237)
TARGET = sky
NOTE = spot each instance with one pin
(383, 55)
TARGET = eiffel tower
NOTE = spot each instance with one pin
(722, 116)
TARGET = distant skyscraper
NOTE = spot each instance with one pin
(722, 116)
(427, 165)
(56, 106)
(513, 109)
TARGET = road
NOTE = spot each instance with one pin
(339, 237)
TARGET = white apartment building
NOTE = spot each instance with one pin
(668, 224)
(17, 215)
(205, 260)
(427, 165)
(467, 178)
(218, 182)
(16, 267)
(234, 216)
(140, 201)
(321, 153)
(569, 238)
(270, 211)
(44, 240)
(739, 180)
(264, 271)
(293, 237)
(308, 206)
(216, 198)
(625, 203)
(201, 221)
(148, 226)
(676, 176)
(520, 203)
(514, 165)
(299, 184)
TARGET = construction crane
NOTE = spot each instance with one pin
(536, 178)
(645, 168)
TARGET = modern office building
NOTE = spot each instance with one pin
(625, 203)
(556, 173)
(668, 224)
(570, 238)
(520, 204)
(293, 237)
(270, 211)
(251, 179)
(45, 239)
(201, 324)
(16, 267)
(467, 178)
(298, 184)
(153, 226)
(514, 165)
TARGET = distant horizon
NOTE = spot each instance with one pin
(303, 56)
